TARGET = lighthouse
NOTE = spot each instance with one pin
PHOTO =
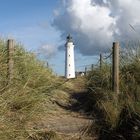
(69, 58)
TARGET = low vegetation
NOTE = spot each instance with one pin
(117, 116)
(24, 99)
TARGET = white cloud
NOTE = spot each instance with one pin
(127, 12)
(47, 50)
(95, 24)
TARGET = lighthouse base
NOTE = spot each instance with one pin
(70, 76)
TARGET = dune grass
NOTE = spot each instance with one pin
(118, 115)
(23, 100)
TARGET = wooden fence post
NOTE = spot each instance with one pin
(47, 65)
(10, 49)
(92, 66)
(101, 60)
(115, 68)
(85, 70)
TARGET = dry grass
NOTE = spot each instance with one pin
(120, 114)
(24, 99)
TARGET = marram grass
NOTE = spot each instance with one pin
(22, 101)
(118, 115)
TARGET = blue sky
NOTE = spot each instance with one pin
(29, 22)
(42, 26)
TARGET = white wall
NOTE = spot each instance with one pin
(69, 61)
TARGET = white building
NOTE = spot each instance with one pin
(69, 58)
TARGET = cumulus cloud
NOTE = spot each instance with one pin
(127, 13)
(47, 50)
(95, 24)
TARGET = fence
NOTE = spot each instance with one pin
(113, 58)
(114, 70)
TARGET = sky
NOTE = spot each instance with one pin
(42, 26)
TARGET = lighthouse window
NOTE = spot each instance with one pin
(69, 74)
(69, 65)
(69, 55)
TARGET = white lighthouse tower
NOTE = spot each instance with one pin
(69, 58)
